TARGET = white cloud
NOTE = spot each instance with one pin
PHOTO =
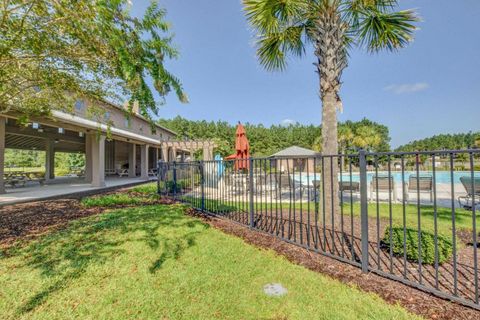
(407, 87)
(287, 122)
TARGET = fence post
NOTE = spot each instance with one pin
(202, 185)
(364, 209)
(158, 177)
(174, 179)
(250, 187)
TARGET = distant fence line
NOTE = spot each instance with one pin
(383, 212)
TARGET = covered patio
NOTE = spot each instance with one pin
(63, 186)
(117, 150)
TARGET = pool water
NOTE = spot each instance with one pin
(440, 176)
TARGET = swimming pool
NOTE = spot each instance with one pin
(440, 176)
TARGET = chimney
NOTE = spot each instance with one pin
(136, 108)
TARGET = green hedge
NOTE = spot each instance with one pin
(427, 245)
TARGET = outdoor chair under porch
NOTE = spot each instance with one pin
(472, 187)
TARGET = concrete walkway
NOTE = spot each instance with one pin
(59, 187)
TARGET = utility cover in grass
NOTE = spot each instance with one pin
(274, 290)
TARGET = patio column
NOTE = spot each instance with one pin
(132, 158)
(155, 157)
(98, 161)
(2, 154)
(50, 159)
(88, 157)
(144, 162)
(207, 153)
(165, 153)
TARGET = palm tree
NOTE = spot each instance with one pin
(345, 137)
(366, 138)
(333, 27)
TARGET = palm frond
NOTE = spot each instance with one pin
(382, 30)
(280, 27)
(273, 48)
(269, 15)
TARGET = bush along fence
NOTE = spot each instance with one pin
(411, 217)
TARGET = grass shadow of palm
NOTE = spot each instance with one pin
(64, 256)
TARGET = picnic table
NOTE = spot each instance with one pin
(19, 178)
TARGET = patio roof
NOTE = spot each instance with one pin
(295, 151)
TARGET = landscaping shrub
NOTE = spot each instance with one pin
(427, 245)
(180, 185)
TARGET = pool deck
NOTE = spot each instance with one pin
(62, 187)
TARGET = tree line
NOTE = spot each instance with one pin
(443, 142)
(35, 160)
(265, 141)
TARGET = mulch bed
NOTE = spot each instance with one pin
(23, 222)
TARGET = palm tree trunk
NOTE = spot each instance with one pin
(329, 150)
(332, 59)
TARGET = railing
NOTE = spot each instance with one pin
(411, 217)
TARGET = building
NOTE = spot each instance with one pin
(113, 143)
(295, 159)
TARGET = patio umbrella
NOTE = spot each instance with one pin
(242, 148)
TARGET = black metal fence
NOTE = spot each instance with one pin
(411, 217)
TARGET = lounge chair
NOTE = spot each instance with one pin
(264, 184)
(286, 182)
(348, 188)
(473, 196)
(317, 184)
(422, 184)
(384, 184)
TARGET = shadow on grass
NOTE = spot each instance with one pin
(64, 256)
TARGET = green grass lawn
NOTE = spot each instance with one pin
(154, 262)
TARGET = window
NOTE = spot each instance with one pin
(61, 130)
(79, 105)
(35, 125)
(106, 116)
(127, 123)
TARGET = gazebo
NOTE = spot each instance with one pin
(295, 158)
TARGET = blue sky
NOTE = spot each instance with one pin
(431, 87)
